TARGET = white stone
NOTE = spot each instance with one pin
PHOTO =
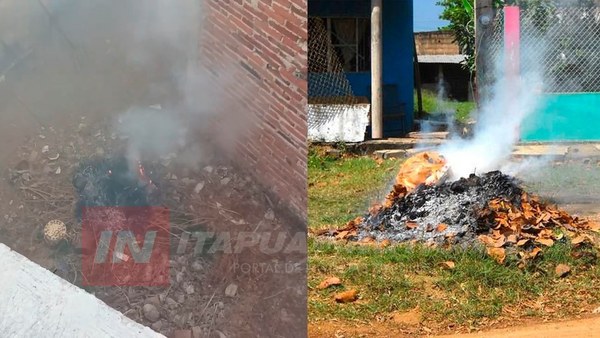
(199, 187)
(231, 290)
(151, 312)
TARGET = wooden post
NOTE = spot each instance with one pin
(376, 71)
(417, 79)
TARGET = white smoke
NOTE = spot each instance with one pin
(182, 94)
(113, 60)
(499, 124)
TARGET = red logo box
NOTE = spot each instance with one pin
(125, 246)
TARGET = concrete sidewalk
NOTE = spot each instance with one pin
(406, 147)
(34, 302)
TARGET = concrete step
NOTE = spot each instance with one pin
(401, 148)
(539, 150)
(369, 147)
(34, 302)
(428, 136)
(400, 153)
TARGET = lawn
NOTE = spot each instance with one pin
(447, 290)
(433, 106)
(342, 189)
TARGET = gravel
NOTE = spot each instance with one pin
(151, 312)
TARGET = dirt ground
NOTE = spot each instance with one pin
(585, 327)
(221, 294)
(581, 327)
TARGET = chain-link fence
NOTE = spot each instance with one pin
(559, 43)
(328, 87)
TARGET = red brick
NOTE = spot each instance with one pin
(271, 39)
(284, 31)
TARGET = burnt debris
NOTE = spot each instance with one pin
(110, 182)
(453, 205)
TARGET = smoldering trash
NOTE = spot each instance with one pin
(103, 182)
(490, 209)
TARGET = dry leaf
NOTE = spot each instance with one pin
(487, 240)
(411, 224)
(534, 252)
(385, 243)
(342, 234)
(500, 242)
(562, 270)
(594, 226)
(346, 296)
(498, 254)
(511, 239)
(449, 265)
(545, 241)
(491, 242)
(578, 239)
(329, 281)
(522, 242)
(441, 227)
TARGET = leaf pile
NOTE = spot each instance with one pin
(528, 225)
(492, 209)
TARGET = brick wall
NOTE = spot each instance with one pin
(262, 45)
(436, 43)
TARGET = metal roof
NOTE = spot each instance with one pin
(457, 58)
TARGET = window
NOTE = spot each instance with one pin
(350, 44)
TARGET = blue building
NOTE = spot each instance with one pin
(348, 24)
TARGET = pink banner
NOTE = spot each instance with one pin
(512, 36)
(511, 40)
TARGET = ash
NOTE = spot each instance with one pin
(109, 182)
(455, 204)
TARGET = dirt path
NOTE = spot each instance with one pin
(588, 327)
(533, 328)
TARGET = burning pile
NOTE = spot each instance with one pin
(491, 208)
(111, 182)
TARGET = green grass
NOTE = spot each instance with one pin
(342, 189)
(401, 277)
(431, 105)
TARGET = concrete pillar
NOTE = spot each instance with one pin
(376, 71)
(484, 16)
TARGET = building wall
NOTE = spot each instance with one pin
(436, 43)
(563, 117)
(397, 39)
(261, 46)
